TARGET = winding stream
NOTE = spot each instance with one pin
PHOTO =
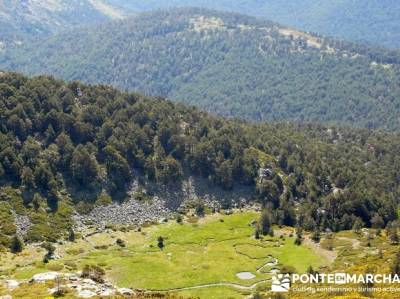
(226, 284)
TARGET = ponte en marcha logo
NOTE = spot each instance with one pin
(283, 282)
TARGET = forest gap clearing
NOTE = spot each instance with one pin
(208, 254)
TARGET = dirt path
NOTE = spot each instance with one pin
(225, 284)
(217, 284)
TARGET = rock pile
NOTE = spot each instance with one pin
(42, 277)
(22, 223)
(88, 288)
(83, 287)
(163, 200)
(131, 212)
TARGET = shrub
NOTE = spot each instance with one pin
(316, 237)
(200, 208)
(179, 219)
(93, 272)
(17, 244)
(160, 242)
(71, 235)
(120, 243)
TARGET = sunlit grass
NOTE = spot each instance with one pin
(213, 250)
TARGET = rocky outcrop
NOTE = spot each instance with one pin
(197, 188)
(23, 224)
(132, 212)
(47, 276)
(161, 201)
(11, 284)
(82, 287)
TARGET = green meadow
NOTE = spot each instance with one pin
(198, 259)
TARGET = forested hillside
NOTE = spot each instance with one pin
(229, 64)
(25, 20)
(68, 144)
(373, 21)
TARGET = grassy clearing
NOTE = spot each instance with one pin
(360, 253)
(213, 250)
(197, 254)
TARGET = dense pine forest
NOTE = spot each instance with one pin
(229, 64)
(66, 145)
(199, 149)
(373, 21)
(22, 21)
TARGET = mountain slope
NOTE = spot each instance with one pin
(67, 146)
(229, 64)
(28, 19)
(374, 21)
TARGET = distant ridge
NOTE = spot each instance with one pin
(229, 64)
(24, 20)
(376, 22)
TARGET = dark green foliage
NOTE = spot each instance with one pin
(200, 208)
(375, 21)
(27, 178)
(310, 270)
(316, 236)
(117, 169)
(299, 236)
(170, 170)
(84, 167)
(265, 223)
(17, 244)
(50, 226)
(49, 247)
(179, 219)
(232, 71)
(120, 243)
(377, 222)
(71, 235)
(7, 226)
(160, 243)
(358, 225)
(268, 192)
(314, 176)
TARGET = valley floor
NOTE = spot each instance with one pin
(212, 257)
